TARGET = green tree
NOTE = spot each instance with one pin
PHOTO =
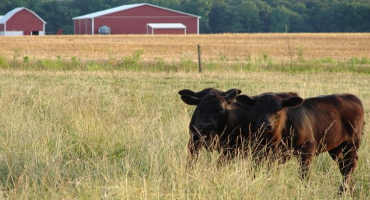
(220, 18)
(250, 17)
(279, 20)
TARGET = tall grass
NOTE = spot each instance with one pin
(123, 135)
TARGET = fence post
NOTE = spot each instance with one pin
(199, 59)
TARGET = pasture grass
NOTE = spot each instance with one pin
(303, 52)
(122, 135)
(135, 63)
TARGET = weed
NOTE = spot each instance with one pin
(3, 62)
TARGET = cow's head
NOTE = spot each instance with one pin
(210, 115)
(266, 110)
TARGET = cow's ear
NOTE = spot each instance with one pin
(186, 92)
(293, 101)
(245, 100)
(293, 94)
(190, 100)
(189, 97)
(231, 94)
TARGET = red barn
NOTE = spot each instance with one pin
(142, 18)
(21, 21)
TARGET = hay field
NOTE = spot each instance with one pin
(123, 135)
(234, 47)
(76, 133)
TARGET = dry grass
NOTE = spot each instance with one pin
(123, 135)
(233, 47)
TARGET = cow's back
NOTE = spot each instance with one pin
(329, 120)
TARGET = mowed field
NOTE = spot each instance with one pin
(122, 134)
(234, 47)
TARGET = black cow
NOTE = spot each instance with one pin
(217, 121)
(209, 118)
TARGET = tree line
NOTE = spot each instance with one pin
(219, 16)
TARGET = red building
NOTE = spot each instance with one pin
(143, 18)
(21, 21)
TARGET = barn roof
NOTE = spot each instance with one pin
(10, 14)
(125, 7)
(167, 25)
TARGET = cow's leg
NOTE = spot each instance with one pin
(194, 146)
(306, 154)
(346, 157)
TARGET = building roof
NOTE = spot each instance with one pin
(167, 26)
(10, 14)
(123, 8)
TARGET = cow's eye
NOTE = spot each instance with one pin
(275, 117)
